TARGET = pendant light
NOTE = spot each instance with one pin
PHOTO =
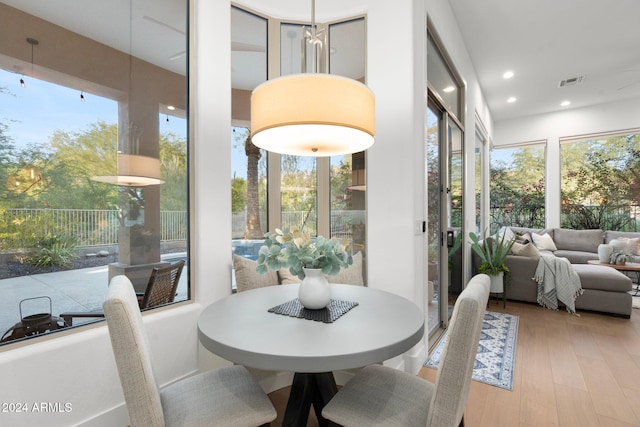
(313, 114)
(134, 171)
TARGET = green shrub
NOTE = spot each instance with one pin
(54, 251)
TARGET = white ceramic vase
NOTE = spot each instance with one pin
(314, 292)
(497, 283)
(604, 253)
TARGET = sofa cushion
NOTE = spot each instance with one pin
(602, 277)
(246, 276)
(578, 240)
(543, 241)
(610, 235)
(576, 257)
(527, 250)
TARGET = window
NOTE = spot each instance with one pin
(348, 190)
(517, 187)
(347, 174)
(601, 182)
(90, 100)
(298, 194)
(479, 164)
(442, 81)
(248, 163)
(322, 196)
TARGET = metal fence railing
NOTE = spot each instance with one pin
(341, 222)
(574, 216)
(89, 227)
(100, 227)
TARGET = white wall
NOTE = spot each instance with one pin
(79, 368)
(554, 126)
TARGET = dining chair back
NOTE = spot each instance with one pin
(228, 396)
(162, 286)
(161, 289)
(459, 354)
(131, 351)
(386, 397)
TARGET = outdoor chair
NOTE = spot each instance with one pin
(228, 396)
(382, 396)
(160, 290)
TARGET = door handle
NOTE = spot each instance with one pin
(450, 238)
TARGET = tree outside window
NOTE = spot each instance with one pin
(601, 183)
(517, 187)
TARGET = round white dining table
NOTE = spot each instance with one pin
(241, 329)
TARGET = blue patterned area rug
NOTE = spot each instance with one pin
(496, 352)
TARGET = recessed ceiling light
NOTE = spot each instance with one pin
(171, 107)
(511, 100)
(507, 74)
(565, 103)
(449, 89)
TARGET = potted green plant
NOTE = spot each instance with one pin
(620, 258)
(307, 258)
(492, 252)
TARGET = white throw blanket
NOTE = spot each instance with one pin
(557, 281)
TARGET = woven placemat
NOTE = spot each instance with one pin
(329, 314)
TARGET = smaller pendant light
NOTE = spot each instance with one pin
(134, 171)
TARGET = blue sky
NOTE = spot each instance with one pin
(34, 112)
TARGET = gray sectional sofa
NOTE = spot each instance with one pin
(605, 289)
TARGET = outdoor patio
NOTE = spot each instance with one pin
(72, 290)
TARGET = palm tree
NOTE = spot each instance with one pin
(253, 229)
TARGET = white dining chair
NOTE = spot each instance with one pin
(228, 396)
(386, 397)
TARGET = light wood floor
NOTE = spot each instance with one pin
(570, 371)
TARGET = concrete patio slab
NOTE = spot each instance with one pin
(73, 290)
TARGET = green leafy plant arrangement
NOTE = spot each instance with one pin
(492, 253)
(296, 250)
(620, 258)
(54, 251)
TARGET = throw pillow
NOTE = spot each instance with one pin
(524, 239)
(246, 276)
(621, 244)
(544, 241)
(286, 278)
(509, 235)
(527, 250)
(633, 246)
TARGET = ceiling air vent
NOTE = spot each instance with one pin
(572, 81)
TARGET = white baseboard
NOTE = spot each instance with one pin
(117, 416)
(414, 359)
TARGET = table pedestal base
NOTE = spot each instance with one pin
(309, 389)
